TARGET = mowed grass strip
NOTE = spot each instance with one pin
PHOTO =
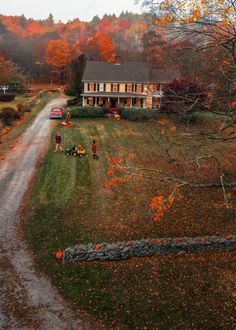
(69, 205)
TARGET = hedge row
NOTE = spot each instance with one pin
(7, 97)
(86, 112)
(98, 112)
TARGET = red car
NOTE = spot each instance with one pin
(56, 113)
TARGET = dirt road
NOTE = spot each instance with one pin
(27, 300)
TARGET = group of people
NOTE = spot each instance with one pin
(74, 151)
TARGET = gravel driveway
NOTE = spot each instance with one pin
(27, 299)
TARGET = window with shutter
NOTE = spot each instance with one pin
(139, 88)
(115, 88)
(129, 88)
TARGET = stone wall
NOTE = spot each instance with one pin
(148, 248)
(34, 100)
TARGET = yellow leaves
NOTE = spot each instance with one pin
(187, 12)
(196, 15)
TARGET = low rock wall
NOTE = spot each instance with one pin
(148, 248)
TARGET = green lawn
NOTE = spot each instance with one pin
(70, 205)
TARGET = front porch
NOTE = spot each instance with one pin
(115, 101)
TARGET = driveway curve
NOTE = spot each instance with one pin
(27, 299)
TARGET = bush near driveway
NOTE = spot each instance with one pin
(7, 97)
(72, 102)
(86, 112)
(7, 115)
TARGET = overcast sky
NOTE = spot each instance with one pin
(65, 10)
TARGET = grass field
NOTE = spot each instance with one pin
(19, 99)
(70, 204)
(18, 128)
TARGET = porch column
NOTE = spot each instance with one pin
(144, 104)
(118, 101)
(83, 101)
(131, 102)
(96, 101)
(109, 99)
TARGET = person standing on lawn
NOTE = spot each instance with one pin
(94, 149)
(58, 142)
(68, 117)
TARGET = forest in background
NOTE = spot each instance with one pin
(43, 47)
(49, 51)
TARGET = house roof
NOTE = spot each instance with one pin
(125, 72)
(163, 76)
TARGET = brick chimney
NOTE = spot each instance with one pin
(118, 59)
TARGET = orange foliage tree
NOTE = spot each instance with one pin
(58, 56)
(215, 19)
(211, 27)
(102, 46)
(33, 29)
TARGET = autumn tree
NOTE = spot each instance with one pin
(57, 57)
(210, 26)
(183, 97)
(214, 19)
(101, 47)
(10, 74)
